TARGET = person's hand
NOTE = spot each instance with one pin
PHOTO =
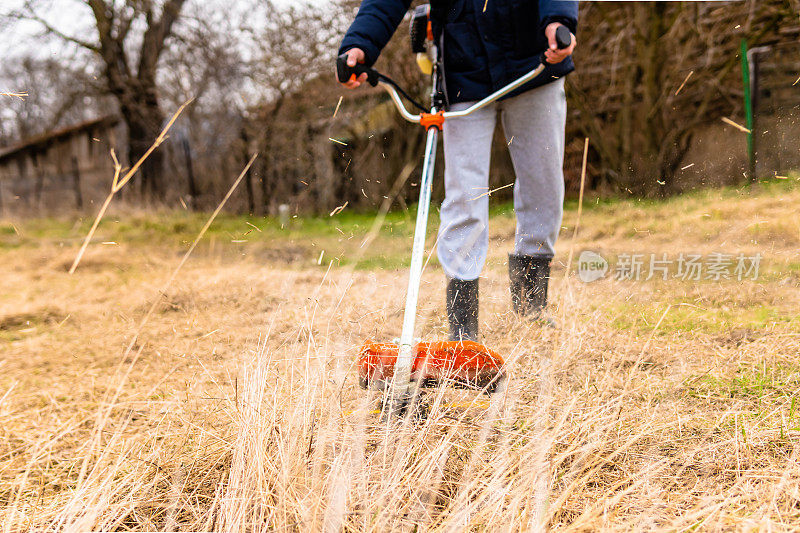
(553, 54)
(355, 56)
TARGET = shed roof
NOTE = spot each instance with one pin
(56, 135)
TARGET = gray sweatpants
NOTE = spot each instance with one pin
(534, 126)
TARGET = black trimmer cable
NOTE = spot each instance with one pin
(404, 94)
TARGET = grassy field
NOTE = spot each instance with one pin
(234, 406)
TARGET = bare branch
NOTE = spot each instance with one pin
(155, 36)
(124, 25)
(29, 13)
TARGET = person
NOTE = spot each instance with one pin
(483, 45)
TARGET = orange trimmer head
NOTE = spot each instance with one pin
(465, 363)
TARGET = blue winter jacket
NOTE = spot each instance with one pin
(485, 44)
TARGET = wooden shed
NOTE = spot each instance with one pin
(65, 169)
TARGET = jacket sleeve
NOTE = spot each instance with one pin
(373, 26)
(563, 11)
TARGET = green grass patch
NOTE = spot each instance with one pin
(381, 262)
(617, 217)
(182, 226)
(758, 382)
(642, 318)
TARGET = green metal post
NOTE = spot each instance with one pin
(748, 109)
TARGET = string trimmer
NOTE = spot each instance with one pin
(405, 363)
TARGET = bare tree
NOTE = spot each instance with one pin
(207, 63)
(61, 92)
(293, 46)
(650, 73)
(130, 62)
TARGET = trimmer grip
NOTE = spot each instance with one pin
(563, 37)
(563, 40)
(345, 73)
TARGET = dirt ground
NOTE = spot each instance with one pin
(653, 405)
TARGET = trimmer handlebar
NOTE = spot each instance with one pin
(345, 72)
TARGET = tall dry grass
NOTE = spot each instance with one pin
(242, 411)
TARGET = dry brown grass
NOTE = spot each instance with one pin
(658, 406)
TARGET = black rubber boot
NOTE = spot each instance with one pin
(529, 275)
(462, 309)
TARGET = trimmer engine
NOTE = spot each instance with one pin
(421, 35)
